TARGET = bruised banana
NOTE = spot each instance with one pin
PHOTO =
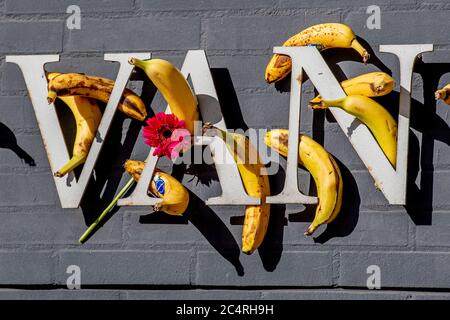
(443, 94)
(174, 88)
(87, 117)
(372, 84)
(175, 196)
(322, 167)
(379, 121)
(75, 84)
(324, 36)
(256, 183)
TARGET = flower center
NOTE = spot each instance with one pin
(167, 133)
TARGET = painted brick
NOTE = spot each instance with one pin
(64, 227)
(174, 5)
(353, 4)
(251, 32)
(398, 269)
(17, 113)
(148, 34)
(59, 294)
(434, 234)
(316, 270)
(55, 6)
(337, 294)
(101, 267)
(419, 25)
(197, 294)
(31, 37)
(351, 228)
(28, 189)
(37, 267)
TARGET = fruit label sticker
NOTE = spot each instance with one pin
(160, 184)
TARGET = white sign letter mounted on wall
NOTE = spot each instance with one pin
(70, 190)
(391, 181)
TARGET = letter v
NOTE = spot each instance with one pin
(69, 190)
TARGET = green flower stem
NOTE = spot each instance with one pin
(106, 211)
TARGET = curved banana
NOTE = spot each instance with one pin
(322, 167)
(75, 84)
(372, 84)
(324, 36)
(174, 88)
(175, 196)
(443, 94)
(87, 117)
(256, 183)
(374, 116)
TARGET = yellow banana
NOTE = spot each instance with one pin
(174, 88)
(443, 94)
(87, 117)
(324, 36)
(374, 116)
(175, 196)
(372, 84)
(75, 84)
(256, 183)
(322, 167)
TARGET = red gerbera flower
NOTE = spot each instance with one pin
(167, 134)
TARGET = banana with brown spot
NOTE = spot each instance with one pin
(372, 84)
(324, 36)
(75, 84)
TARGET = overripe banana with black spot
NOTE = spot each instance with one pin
(87, 117)
(175, 197)
(98, 88)
(324, 36)
(379, 121)
(324, 170)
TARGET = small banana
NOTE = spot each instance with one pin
(175, 196)
(87, 117)
(323, 168)
(75, 84)
(256, 183)
(324, 36)
(374, 116)
(443, 94)
(174, 88)
(372, 84)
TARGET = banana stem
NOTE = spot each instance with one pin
(363, 52)
(51, 97)
(323, 104)
(86, 234)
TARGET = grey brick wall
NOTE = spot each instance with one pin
(136, 255)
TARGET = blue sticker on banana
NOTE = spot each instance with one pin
(160, 184)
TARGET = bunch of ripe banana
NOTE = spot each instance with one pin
(323, 169)
(79, 92)
(256, 183)
(324, 36)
